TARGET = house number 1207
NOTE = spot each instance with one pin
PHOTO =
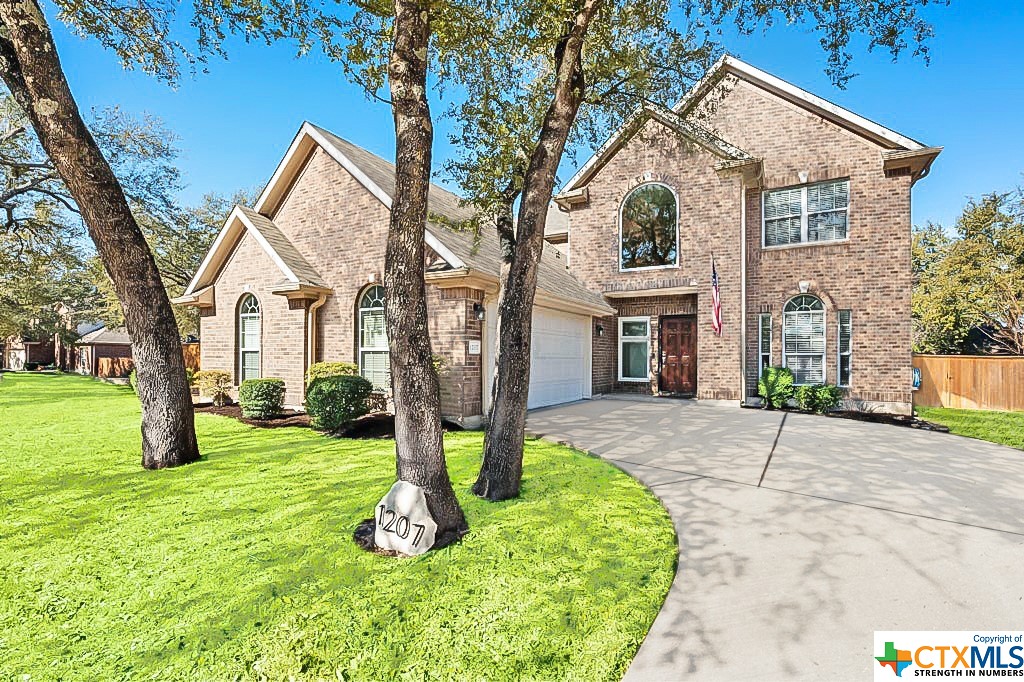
(390, 521)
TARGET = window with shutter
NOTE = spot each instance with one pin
(803, 339)
(810, 213)
(845, 346)
(764, 342)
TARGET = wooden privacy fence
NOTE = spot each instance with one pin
(971, 382)
(107, 368)
(191, 352)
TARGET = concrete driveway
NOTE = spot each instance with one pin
(787, 566)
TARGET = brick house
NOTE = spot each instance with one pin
(296, 279)
(804, 207)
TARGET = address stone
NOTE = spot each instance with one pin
(404, 523)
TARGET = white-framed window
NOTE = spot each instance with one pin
(764, 341)
(250, 317)
(845, 337)
(649, 228)
(805, 214)
(634, 348)
(803, 339)
(374, 360)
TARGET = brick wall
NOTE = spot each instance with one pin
(709, 222)
(341, 229)
(870, 274)
(282, 332)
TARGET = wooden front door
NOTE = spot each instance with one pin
(678, 340)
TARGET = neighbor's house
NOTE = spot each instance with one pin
(26, 349)
(803, 206)
(104, 353)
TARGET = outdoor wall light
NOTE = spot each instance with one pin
(600, 330)
(478, 310)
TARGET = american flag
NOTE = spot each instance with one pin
(716, 301)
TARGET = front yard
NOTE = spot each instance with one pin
(998, 427)
(243, 566)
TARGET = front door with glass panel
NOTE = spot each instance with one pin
(678, 340)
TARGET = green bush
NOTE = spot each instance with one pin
(320, 370)
(133, 381)
(775, 387)
(334, 401)
(215, 383)
(190, 375)
(261, 398)
(820, 398)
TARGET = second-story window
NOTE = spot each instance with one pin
(805, 214)
(649, 228)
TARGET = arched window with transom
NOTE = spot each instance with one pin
(374, 361)
(249, 324)
(649, 228)
(803, 338)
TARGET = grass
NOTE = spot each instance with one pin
(1006, 428)
(242, 566)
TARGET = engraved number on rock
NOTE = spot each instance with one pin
(399, 525)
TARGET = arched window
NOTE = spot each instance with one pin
(649, 229)
(374, 362)
(803, 338)
(249, 319)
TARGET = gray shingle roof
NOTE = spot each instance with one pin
(103, 335)
(479, 252)
(295, 261)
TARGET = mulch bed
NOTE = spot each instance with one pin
(875, 418)
(286, 418)
(377, 425)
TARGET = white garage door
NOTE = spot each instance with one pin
(560, 363)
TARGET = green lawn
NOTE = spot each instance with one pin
(243, 566)
(999, 427)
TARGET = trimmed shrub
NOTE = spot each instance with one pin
(819, 398)
(215, 383)
(775, 387)
(31, 366)
(261, 398)
(334, 401)
(319, 370)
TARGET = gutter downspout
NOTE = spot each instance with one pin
(743, 291)
(311, 339)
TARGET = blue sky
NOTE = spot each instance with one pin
(236, 121)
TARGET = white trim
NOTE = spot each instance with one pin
(262, 241)
(285, 162)
(635, 339)
(658, 291)
(360, 348)
(805, 214)
(622, 206)
(839, 348)
(824, 333)
(443, 251)
(744, 322)
(799, 96)
(190, 289)
(771, 342)
(242, 350)
(811, 101)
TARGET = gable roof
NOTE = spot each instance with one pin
(294, 267)
(105, 336)
(728, 65)
(669, 118)
(459, 250)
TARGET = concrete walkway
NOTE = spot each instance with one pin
(788, 566)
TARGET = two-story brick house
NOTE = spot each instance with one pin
(803, 207)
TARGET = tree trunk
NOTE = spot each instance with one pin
(417, 394)
(33, 73)
(502, 468)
